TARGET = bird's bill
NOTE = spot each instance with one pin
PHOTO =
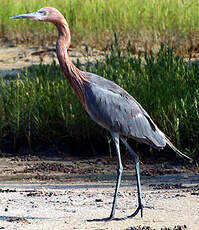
(34, 15)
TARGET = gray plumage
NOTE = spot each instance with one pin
(113, 108)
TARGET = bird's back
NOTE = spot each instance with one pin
(113, 108)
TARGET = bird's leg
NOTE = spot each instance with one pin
(115, 137)
(137, 167)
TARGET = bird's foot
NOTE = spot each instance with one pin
(139, 208)
(149, 207)
(111, 217)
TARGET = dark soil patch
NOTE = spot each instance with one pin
(7, 190)
(178, 227)
(167, 186)
(18, 220)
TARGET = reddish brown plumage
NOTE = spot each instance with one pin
(75, 76)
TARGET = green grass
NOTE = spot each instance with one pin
(148, 21)
(42, 105)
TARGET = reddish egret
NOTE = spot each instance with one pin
(106, 103)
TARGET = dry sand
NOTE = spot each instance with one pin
(38, 194)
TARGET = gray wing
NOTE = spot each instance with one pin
(113, 108)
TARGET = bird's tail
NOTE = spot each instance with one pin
(178, 152)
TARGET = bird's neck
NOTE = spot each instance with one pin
(76, 78)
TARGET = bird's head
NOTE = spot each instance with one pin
(47, 14)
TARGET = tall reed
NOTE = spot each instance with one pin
(90, 21)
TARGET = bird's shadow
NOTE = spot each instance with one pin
(106, 219)
(110, 219)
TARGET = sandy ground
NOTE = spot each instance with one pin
(71, 206)
(40, 193)
(14, 58)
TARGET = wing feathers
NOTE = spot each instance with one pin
(114, 109)
(119, 113)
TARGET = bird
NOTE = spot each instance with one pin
(107, 104)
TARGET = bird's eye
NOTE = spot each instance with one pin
(44, 13)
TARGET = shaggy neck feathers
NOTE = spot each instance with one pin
(76, 77)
